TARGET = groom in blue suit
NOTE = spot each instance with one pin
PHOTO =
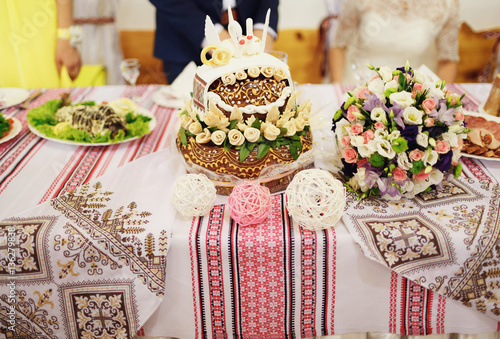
(180, 27)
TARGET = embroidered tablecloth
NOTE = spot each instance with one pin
(275, 281)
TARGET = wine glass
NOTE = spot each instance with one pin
(130, 69)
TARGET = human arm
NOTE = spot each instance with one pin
(336, 61)
(66, 54)
(447, 45)
(447, 70)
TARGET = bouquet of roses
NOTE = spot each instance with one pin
(400, 134)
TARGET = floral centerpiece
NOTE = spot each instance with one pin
(400, 134)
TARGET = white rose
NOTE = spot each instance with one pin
(251, 134)
(185, 121)
(386, 73)
(412, 116)
(228, 79)
(195, 128)
(384, 148)
(419, 77)
(403, 99)
(290, 128)
(204, 137)
(393, 84)
(236, 138)
(267, 71)
(279, 74)
(366, 150)
(271, 132)
(254, 72)
(376, 86)
(456, 155)
(342, 128)
(404, 162)
(452, 139)
(435, 177)
(433, 90)
(430, 157)
(394, 135)
(218, 137)
(359, 180)
(377, 114)
(241, 74)
(423, 139)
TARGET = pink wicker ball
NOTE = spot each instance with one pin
(249, 203)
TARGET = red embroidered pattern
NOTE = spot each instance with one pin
(308, 282)
(262, 282)
(475, 169)
(393, 302)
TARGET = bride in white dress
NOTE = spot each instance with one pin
(389, 32)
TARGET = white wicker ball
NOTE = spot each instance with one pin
(315, 199)
(193, 195)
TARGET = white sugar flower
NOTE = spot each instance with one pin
(204, 137)
(236, 138)
(218, 137)
(271, 132)
(290, 128)
(252, 134)
(195, 127)
(185, 121)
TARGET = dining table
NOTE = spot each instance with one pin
(100, 251)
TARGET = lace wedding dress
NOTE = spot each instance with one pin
(389, 32)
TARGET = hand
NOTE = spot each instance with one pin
(68, 56)
(224, 34)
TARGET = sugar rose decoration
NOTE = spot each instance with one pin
(399, 134)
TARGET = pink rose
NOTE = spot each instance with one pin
(363, 92)
(417, 87)
(421, 176)
(453, 98)
(367, 136)
(428, 105)
(346, 140)
(459, 115)
(399, 174)
(356, 129)
(442, 146)
(379, 125)
(429, 122)
(416, 155)
(351, 111)
(350, 155)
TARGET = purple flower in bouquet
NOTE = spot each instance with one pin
(399, 134)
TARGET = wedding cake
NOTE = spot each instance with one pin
(244, 121)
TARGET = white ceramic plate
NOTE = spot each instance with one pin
(16, 129)
(487, 117)
(166, 97)
(143, 111)
(13, 96)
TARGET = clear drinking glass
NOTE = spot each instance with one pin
(130, 69)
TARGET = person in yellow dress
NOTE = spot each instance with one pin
(35, 43)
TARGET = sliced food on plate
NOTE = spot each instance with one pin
(484, 138)
(88, 123)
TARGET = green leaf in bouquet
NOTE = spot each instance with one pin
(349, 102)
(182, 136)
(418, 167)
(227, 145)
(457, 170)
(283, 131)
(377, 160)
(399, 145)
(262, 150)
(256, 124)
(338, 115)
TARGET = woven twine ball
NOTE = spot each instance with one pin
(315, 199)
(249, 203)
(193, 195)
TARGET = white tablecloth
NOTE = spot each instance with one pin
(223, 280)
